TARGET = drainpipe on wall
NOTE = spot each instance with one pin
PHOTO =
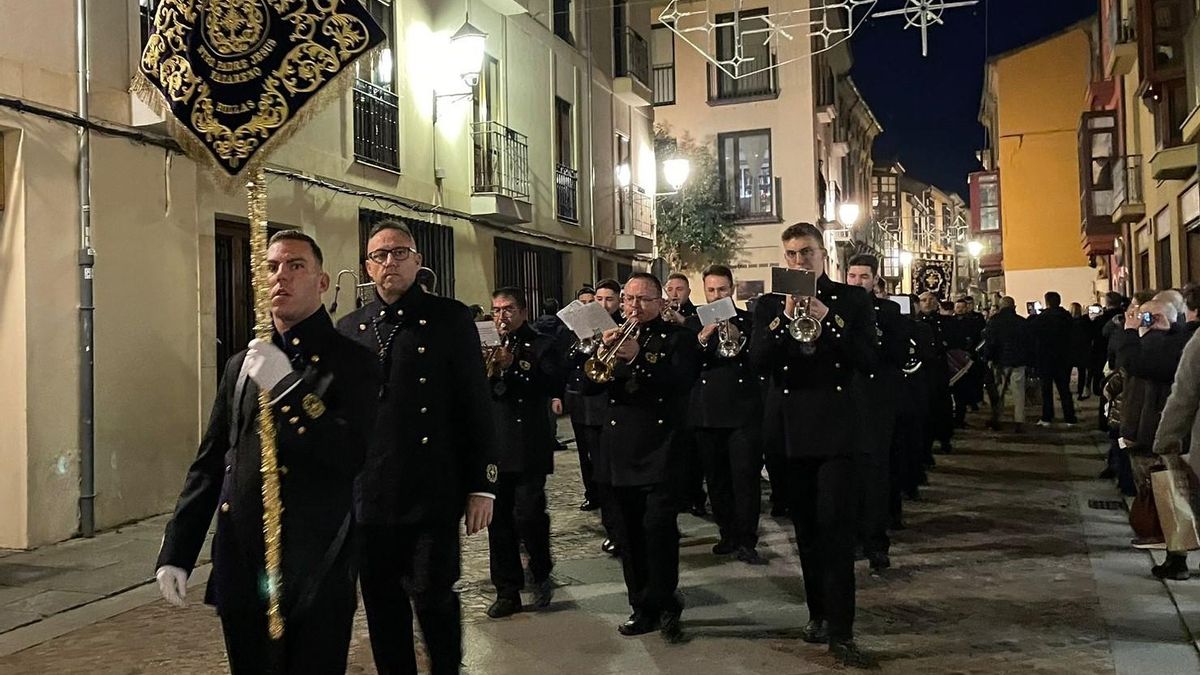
(87, 258)
(587, 27)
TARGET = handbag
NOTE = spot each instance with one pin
(1171, 498)
(1143, 518)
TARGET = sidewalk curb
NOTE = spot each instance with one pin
(33, 634)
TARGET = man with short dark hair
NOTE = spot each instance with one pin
(884, 383)
(725, 413)
(321, 388)
(586, 294)
(524, 376)
(1009, 349)
(651, 365)
(1052, 340)
(815, 405)
(432, 458)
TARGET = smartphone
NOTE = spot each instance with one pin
(1147, 319)
(1031, 308)
(1095, 310)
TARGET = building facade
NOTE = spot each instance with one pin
(541, 176)
(792, 143)
(1033, 102)
(1137, 146)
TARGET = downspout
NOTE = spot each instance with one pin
(87, 258)
(587, 27)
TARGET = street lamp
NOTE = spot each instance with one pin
(906, 258)
(975, 248)
(676, 172)
(848, 213)
(467, 51)
(624, 175)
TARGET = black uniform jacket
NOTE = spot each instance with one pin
(893, 332)
(647, 400)
(525, 435)
(815, 400)
(434, 442)
(322, 414)
(727, 395)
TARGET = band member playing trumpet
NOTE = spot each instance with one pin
(646, 368)
(814, 407)
(588, 415)
(725, 413)
(526, 377)
(679, 305)
(678, 310)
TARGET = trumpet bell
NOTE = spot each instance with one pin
(804, 328)
(600, 372)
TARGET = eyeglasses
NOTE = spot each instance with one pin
(506, 311)
(399, 254)
(641, 300)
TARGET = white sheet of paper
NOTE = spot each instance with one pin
(595, 319)
(489, 336)
(713, 312)
(572, 316)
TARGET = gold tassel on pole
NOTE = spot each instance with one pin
(256, 197)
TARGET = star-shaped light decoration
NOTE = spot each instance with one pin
(825, 25)
(923, 14)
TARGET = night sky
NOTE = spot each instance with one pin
(929, 106)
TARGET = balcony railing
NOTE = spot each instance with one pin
(376, 125)
(722, 87)
(1120, 29)
(641, 215)
(501, 161)
(633, 55)
(566, 191)
(1127, 182)
(664, 84)
(764, 205)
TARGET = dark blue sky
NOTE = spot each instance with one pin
(929, 106)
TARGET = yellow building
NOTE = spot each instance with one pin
(512, 183)
(1038, 95)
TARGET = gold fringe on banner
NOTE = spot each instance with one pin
(256, 200)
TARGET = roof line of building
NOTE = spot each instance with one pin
(1081, 24)
(863, 99)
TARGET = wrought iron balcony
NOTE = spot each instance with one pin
(633, 55)
(724, 89)
(664, 84)
(501, 161)
(566, 193)
(641, 215)
(1128, 201)
(376, 125)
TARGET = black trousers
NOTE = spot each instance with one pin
(318, 642)
(588, 438)
(519, 515)
(875, 482)
(585, 437)
(691, 490)
(1082, 384)
(732, 461)
(823, 512)
(1058, 378)
(649, 540)
(407, 567)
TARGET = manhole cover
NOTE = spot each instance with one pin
(1106, 504)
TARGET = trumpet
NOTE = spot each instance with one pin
(587, 345)
(491, 354)
(804, 328)
(599, 368)
(728, 346)
(669, 311)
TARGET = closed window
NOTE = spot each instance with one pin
(747, 182)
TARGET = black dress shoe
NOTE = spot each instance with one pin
(816, 632)
(638, 624)
(698, 510)
(723, 547)
(879, 560)
(778, 511)
(1175, 567)
(671, 628)
(750, 556)
(503, 607)
(610, 547)
(543, 593)
(847, 653)
(588, 505)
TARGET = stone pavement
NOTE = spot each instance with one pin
(1011, 563)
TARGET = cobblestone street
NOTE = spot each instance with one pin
(1000, 570)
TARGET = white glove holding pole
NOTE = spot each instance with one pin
(172, 583)
(266, 364)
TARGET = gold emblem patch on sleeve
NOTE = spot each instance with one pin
(651, 357)
(525, 365)
(313, 406)
(774, 324)
(492, 473)
(838, 320)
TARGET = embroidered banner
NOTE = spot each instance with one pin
(234, 73)
(934, 276)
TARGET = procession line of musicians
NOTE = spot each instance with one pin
(394, 427)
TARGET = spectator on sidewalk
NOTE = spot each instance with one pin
(1081, 349)
(1052, 341)
(548, 322)
(1180, 421)
(1113, 307)
(1007, 347)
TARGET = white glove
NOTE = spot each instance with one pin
(266, 364)
(172, 583)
